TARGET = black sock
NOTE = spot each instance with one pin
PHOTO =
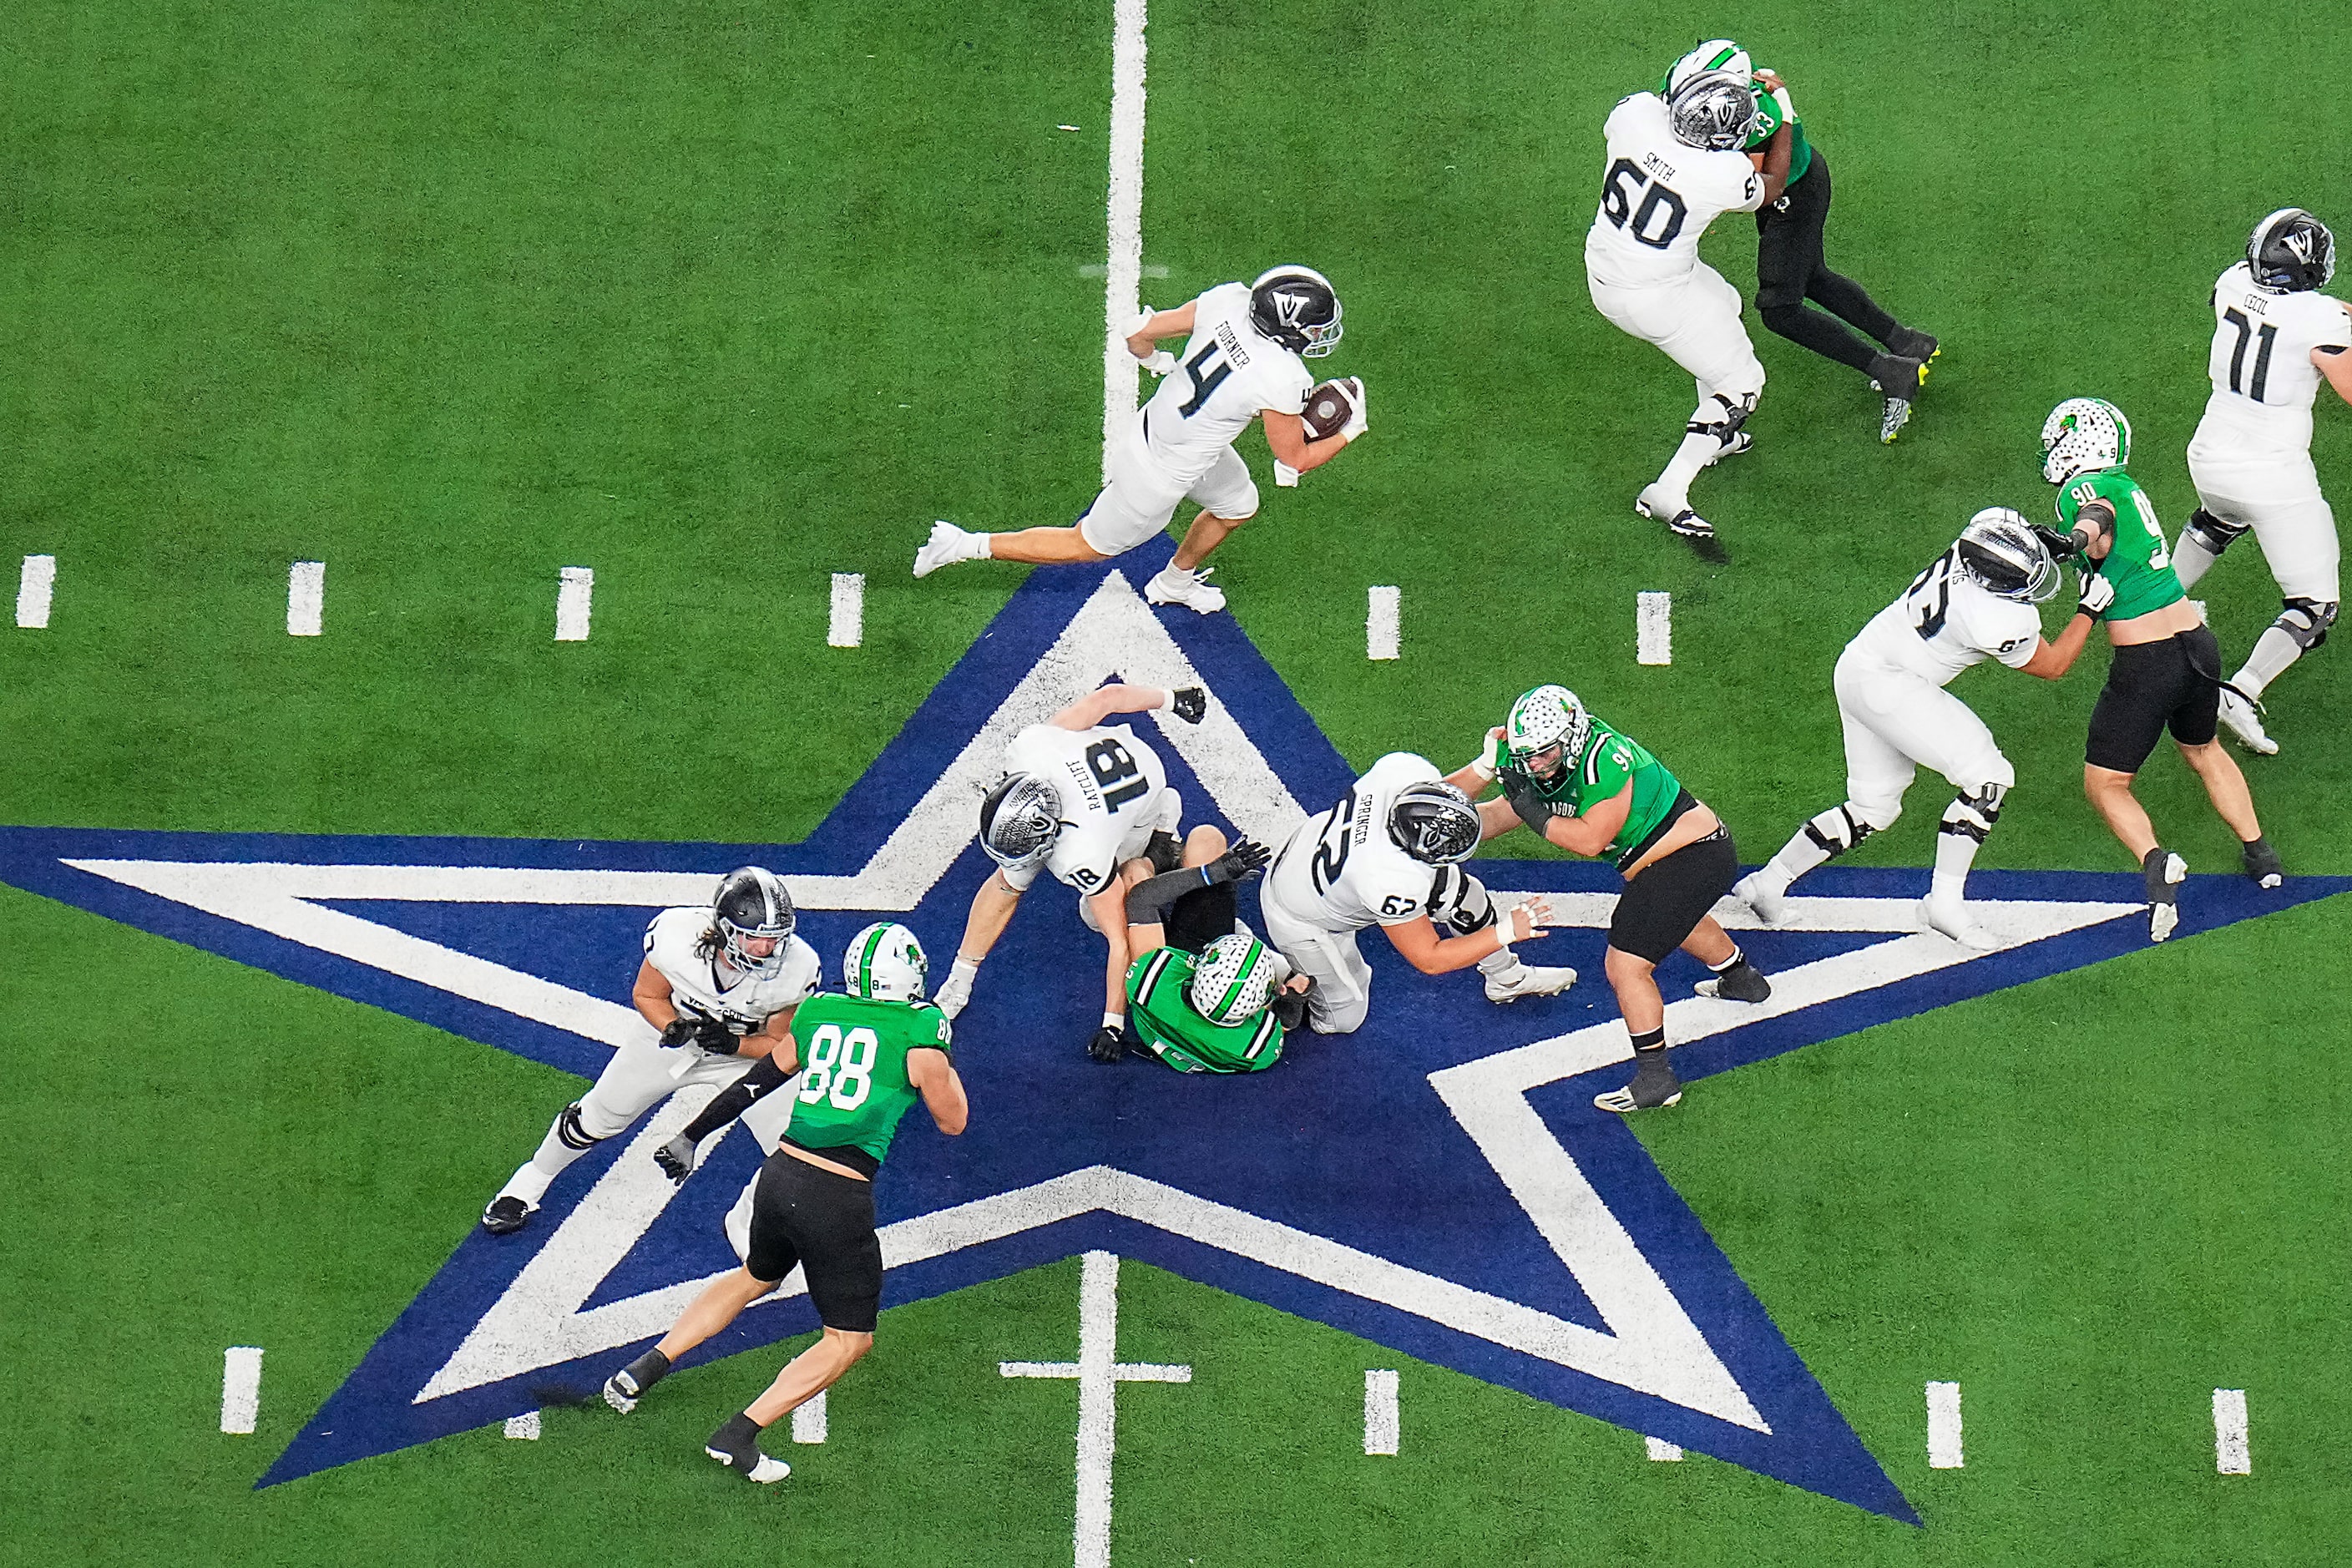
(1650, 1042)
(648, 1369)
(1849, 301)
(740, 1441)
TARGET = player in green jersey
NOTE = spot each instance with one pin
(871, 1053)
(2167, 673)
(1591, 791)
(1205, 995)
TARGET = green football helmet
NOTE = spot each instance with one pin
(1547, 730)
(2084, 434)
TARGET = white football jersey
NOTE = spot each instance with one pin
(1657, 197)
(1341, 871)
(1225, 375)
(701, 982)
(1946, 621)
(2263, 380)
(1114, 792)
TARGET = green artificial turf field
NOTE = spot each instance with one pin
(720, 299)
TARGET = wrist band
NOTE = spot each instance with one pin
(1114, 1020)
(1166, 703)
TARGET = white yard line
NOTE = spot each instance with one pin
(523, 1428)
(808, 1420)
(1654, 629)
(576, 594)
(1660, 1451)
(846, 628)
(1122, 275)
(241, 1389)
(1383, 618)
(33, 589)
(1944, 1452)
(1381, 1411)
(2233, 1456)
(305, 598)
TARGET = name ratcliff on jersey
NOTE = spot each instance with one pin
(1114, 792)
(1226, 375)
(1946, 622)
(2263, 380)
(674, 947)
(1657, 197)
(1341, 871)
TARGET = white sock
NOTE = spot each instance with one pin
(1955, 853)
(1694, 455)
(1797, 856)
(2274, 652)
(530, 1182)
(2190, 559)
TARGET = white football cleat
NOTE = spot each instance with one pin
(1528, 980)
(1659, 507)
(1952, 920)
(2246, 724)
(1765, 893)
(948, 545)
(1174, 585)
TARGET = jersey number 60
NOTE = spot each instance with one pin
(1618, 190)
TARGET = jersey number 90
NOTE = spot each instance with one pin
(840, 1068)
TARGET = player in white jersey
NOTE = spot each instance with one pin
(1673, 166)
(1388, 854)
(2275, 338)
(717, 990)
(1245, 358)
(1081, 799)
(1976, 602)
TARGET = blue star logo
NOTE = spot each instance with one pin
(1438, 1182)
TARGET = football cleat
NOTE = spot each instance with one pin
(1657, 507)
(1952, 920)
(507, 1214)
(1912, 343)
(1743, 982)
(1763, 891)
(1174, 585)
(1654, 1087)
(2261, 863)
(754, 1466)
(1529, 980)
(947, 546)
(2164, 871)
(2246, 724)
(1897, 378)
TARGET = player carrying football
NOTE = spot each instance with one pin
(1975, 602)
(2167, 672)
(1674, 163)
(870, 1053)
(1579, 785)
(1245, 353)
(2274, 338)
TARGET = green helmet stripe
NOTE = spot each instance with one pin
(866, 952)
(1233, 991)
(1718, 62)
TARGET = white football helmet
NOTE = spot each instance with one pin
(1999, 549)
(884, 963)
(1233, 979)
(1714, 111)
(1545, 732)
(1715, 54)
(2083, 434)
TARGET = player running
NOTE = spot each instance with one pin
(1080, 799)
(1579, 785)
(1976, 601)
(718, 987)
(2275, 338)
(2167, 672)
(1205, 994)
(1675, 164)
(871, 1053)
(1245, 353)
(1390, 855)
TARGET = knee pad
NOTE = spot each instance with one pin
(570, 1132)
(2211, 532)
(2306, 621)
(1842, 828)
(1460, 901)
(1973, 813)
(1721, 416)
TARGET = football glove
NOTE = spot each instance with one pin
(1191, 704)
(2061, 545)
(1361, 420)
(1285, 476)
(956, 995)
(1108, 1045)
(1246, 858)
(676, 1158)
(2098, 593)
(1526, 800)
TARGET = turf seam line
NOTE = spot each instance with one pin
(1383, 622)
(33, 586)
(305, 598)
(575, 593)
(240, 1390)
(1654, 629)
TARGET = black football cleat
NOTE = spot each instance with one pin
(1897, 378)
(507, 1214)
(1654, 1087)
(736, 1447)
(1743, 982)
(1913, 344)
(627, 1387)
(2164, 872)
(2261, 863)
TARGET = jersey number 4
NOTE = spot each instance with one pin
(1625, 203)
(2237, 319)
(1207, 372)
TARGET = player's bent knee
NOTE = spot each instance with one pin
(1842, 828)
(572, 1132)
(2307, 621)
(2214, 533)
(1205, 844)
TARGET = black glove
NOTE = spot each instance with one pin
(1526, 800)
(2061, 545)
(1191, 704)
(1290, 1006)
(1109, 1045)
(1244, 859)
(708, 1033)
(675, 1158)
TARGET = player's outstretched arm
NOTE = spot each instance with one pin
(2053, 659)
(1144, 336)
(1421, 946)
(935, 1078)
(1590, 833)
(1110, 908)
(991, 911)
(2336, 365)
(1189, 703)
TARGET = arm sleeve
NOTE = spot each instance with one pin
(1147, 901)
(737, 1098)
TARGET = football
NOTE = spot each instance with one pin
(1328, 408)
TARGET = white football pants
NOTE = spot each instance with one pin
(2281, 501)
(1895, 723)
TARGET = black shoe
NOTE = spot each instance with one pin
(2164, 872)
(507, 1214)
(1743, 982)
(1913, 344)
(1654, 1087)
(2261, 863)
(736, 1447)
(1897, 378)
(627, 1387)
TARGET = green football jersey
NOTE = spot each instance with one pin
(854, 1052)
(1159, 1010)
(1598, 773)
(2138, 564)
(1769, 115)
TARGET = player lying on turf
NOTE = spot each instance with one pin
(1245, 353)
(1975, 602)
(1578, 785)
(2167, 672)
(1203, 994)
(870, 1053)
(718, 987)
(1079, 799)
(1388, 854)
(2276, 337)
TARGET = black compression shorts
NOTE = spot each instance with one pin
(1200, 917)
(2153, 686)
(824, 1222)
(1660, 907)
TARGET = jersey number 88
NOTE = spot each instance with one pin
(839, 1070)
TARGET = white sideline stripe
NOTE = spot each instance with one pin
(1654, 629)
(576, 592)
(240, 1389)
(1383, 618)
(1123, 213)
(1381, 1411)
(33, 590)
(808, 1419)
(1944, 1451)
(523, 1428)
(846, 628)
(305, 598)
(2232, 1454)
(1661, 1451)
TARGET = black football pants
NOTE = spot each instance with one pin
(1790, 270)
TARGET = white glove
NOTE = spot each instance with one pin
(1159, 362)
(1284, 475)
(1361, 420)
(2099, 591)
(957, 993)
(1489, 759)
